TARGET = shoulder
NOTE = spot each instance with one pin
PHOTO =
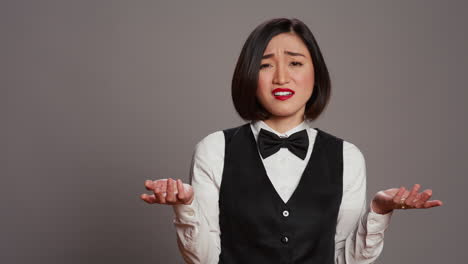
(328, 135)
(352, 153)
(332, 141)
(211, 146)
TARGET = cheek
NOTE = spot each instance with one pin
(306, 80)
(263, 85)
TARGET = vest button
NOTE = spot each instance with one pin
(285, 213)
(284, 239)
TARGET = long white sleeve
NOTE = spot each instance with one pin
(360, 231)
(197, 225)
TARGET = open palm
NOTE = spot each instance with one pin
(401, 198)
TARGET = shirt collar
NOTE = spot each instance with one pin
(257, 125)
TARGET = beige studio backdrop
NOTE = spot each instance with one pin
(98, 96)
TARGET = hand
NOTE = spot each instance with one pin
(400, 198)
(165, 190)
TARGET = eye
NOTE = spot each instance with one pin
(296, 63)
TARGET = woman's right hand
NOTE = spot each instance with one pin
(168, 191)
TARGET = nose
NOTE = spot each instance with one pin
(281, 74)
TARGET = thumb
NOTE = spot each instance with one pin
(189, 193)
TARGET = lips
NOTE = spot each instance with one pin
(285, 93)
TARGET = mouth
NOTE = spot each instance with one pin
(282, 93)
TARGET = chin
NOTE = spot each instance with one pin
(283, 113)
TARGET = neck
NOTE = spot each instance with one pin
(283, 124)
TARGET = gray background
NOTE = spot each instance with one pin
(97, 96)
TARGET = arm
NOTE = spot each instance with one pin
(360, 230)
(197, 224)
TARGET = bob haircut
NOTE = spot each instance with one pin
(245, 79)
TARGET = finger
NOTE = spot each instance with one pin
(160, 191)
(181, 190)
(163, 185)
(418, 200)
(399, 193)
(149, 185)
(151, 199)
(412, 196)
(398, 196)
(423, 197)
(432, 203)
(170, 197)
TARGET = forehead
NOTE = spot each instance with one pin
(286, 41)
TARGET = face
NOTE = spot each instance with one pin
(286, 76)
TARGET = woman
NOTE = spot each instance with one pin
(276, 190)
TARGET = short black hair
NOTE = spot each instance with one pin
(245, 79)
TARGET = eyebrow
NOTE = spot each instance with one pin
(286, 52)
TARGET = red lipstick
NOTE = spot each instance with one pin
(284, 93)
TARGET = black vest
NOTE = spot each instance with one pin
(257, 226)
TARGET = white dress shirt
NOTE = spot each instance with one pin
(359, 231)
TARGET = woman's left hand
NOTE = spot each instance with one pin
(400, 198)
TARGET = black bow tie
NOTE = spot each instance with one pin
(269, 143)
